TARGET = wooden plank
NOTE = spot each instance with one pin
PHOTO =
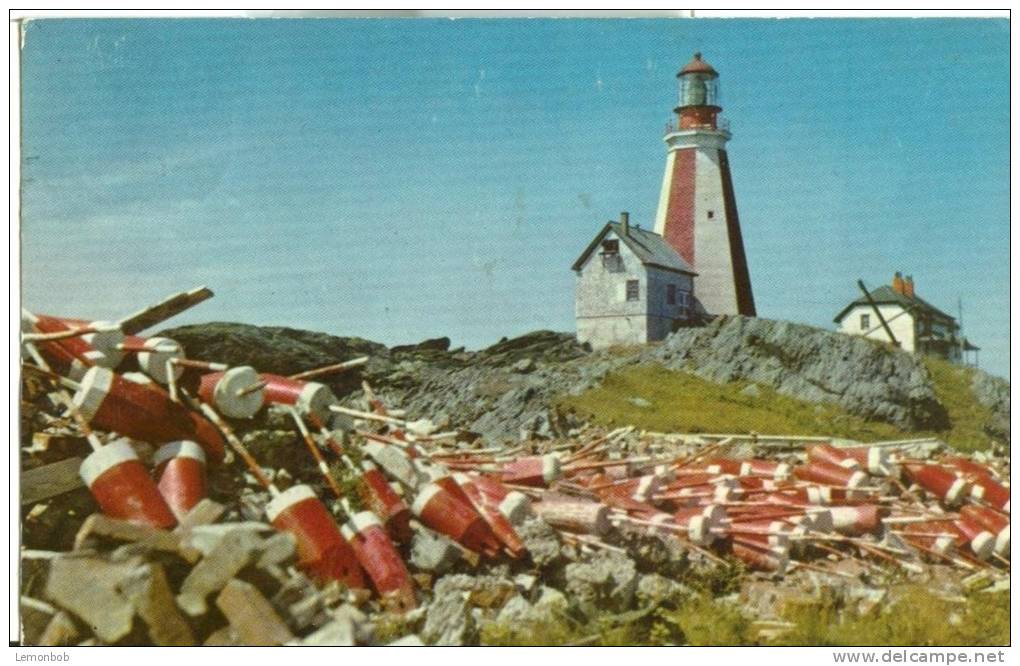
(41, 483)
(169, 307)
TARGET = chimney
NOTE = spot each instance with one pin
(897, 283)
(625, 222)
(908, 286)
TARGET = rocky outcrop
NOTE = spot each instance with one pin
(863, 377)
(509, 389)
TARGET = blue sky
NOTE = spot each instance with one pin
(404, 179)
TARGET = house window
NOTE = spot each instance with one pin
(610, 246)
(711, 214)
(865, 322)
(670, 294)
(633, 290)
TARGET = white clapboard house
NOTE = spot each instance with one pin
(917, 325)
(632, 287)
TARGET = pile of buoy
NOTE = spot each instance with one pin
(870, 502)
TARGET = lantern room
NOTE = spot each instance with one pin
(699, 95)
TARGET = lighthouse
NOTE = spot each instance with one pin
(697, 214)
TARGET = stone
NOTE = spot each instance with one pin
(279, 549)
(550, 600)
(205, 538)
(541, 540)
(639, 402)
(98, 525)
(654, 588)
(433, 552)
(230, 554)
(224, 637)
(204, 513)
(524, 366)
(449, 620)
(90, 588)
(608, 580)
(338, 633)
(251, 615)
(153, 600)
(411, 640)
(517, 609)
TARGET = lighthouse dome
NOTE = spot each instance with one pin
(698, 66)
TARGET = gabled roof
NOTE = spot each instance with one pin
(650, 248)
(886, 295)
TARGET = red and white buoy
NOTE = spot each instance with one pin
(158, 363)
(513, 504)
(307, 397)
(380, 560)
(991, 492)
(830, 454)
(773, 559)
(499, 523)
(991, 520)
(236, 393)
(386, 503)
(829, 474)
(701, 522)
(940, 482)
(980, 541)
(575, 515)
(441, 510)
(856, 520)
(87, 343)
(180, 468)
(144, 412)
(874, 460)
(538, 471)
(768, 469)
(123, 488)
(322, 550)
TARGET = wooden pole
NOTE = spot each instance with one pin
(165, 309)
(314, 449)
(878, 313)
(331, 369)
(239, 448)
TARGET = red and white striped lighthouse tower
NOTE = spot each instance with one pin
(697, 210)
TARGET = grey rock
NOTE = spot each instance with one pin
(516, 610)
(639, 402)
(433, 552)
(541, 540)
(751, 391)
(411, 640)
(607, 580)
(524, 366)
(449, 620)
(653, 588)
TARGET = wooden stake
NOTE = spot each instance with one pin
(258, 386)
(240, 448)
(331, 369)
(199, 365)
(314, 449)
(165, 309)
(60, 335)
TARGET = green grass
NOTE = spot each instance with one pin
(682, 402)
(916, 617)
(966, 415)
